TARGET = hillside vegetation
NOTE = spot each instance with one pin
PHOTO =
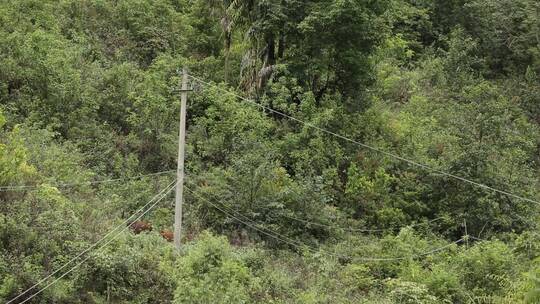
(409, 174)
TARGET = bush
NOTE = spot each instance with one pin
(211, 273)
(404, 292)
(486, 266)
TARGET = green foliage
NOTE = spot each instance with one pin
(533, 294)
(328, 28)
(484, 266)
(506, 32)
(13, 158)
(210, 272)
(357, 277)
(87, 92)
(440, 279)
(527, 244)
(409, 293)
(128, 271)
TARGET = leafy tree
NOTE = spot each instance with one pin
(13, 157)
(506, 33)
(87, 92)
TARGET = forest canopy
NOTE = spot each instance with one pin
(410, 172)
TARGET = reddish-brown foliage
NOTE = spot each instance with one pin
(140, 226)
(167, 234)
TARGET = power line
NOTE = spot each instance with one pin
(478, 239)
(359, 229)
(272, 234)
(335, 226)
(299, 245)
(102, 246)
(296, 244)
(412, 162)
(123, 225)
(66, 185)
(288, 240)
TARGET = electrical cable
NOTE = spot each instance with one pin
(284, 239)
(338, 227)
(158, 196)
(411, 162)
(33, 187)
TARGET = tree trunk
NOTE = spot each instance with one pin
(270, 51)
(227, 51)
(281, 45)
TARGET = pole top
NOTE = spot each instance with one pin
(184, 74)
(184, 70)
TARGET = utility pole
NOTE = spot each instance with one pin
(180, 167)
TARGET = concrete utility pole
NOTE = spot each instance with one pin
(180, 167)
